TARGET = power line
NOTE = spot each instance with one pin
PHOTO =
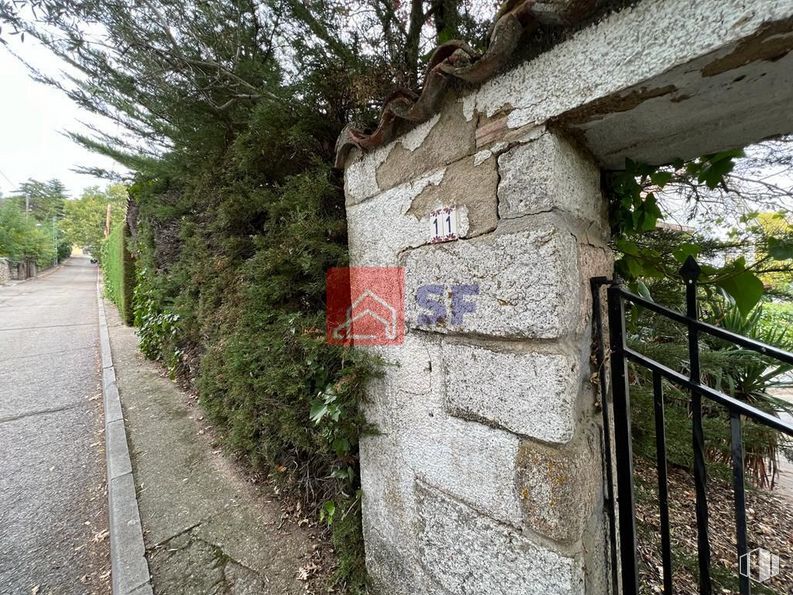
(6, 177)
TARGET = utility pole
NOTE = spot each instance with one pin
(107, 221)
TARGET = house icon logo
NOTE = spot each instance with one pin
(368, 305)
(365, 306)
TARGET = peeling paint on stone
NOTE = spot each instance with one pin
(360, 176)
(605, 59)
(491, 129)
(622, 102)
(414, 139)
(449, 138)
(498, 134)
(499, 148)
(482, 156)
(383, 226)
(469, 106)
(471, 188)
(771, 43)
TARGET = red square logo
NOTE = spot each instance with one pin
(364, 306)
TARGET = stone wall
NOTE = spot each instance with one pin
(19, 271)
(5, 271)
(485, 474)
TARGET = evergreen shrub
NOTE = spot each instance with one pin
(118, 270)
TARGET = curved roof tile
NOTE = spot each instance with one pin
(457, 60)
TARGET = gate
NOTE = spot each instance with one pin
(620, 507)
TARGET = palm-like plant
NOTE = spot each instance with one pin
(752, 378)
(746, 375)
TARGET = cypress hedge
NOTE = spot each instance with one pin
(119, 270)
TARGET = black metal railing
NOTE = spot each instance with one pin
(625, 570)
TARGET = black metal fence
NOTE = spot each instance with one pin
(625, 568)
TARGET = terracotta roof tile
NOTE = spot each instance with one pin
(456, 60)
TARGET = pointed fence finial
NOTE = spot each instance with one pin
(690, 270)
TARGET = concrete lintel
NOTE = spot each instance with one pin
(660, 80)
(672, 79)
(710, 104)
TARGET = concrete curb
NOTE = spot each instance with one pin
(129, 568)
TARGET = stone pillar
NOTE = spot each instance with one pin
(485, 473)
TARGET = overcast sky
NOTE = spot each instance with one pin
(32, 118)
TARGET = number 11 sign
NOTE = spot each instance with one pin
(443, 225)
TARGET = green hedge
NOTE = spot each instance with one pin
(231, 299)
(119, 271)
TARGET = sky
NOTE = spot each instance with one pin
(32, 119)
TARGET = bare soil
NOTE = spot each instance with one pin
(769, 526)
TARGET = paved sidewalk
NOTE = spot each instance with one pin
(53, 507)
(207, 530)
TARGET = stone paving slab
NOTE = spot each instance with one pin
(206, 529)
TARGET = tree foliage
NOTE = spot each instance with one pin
(746, 253)
(30, 223)
(23, 238)
(85, 218)
(179, 78)
(228, 113)
(42, 200)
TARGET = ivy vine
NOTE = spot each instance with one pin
(634, 210)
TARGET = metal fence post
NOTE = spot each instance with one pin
(600, 358)
(622, 442)
(690, 272)
(739, 496)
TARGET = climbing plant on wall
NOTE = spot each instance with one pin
(738, 265)
(635, 212)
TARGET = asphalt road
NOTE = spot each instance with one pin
(53, 506)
